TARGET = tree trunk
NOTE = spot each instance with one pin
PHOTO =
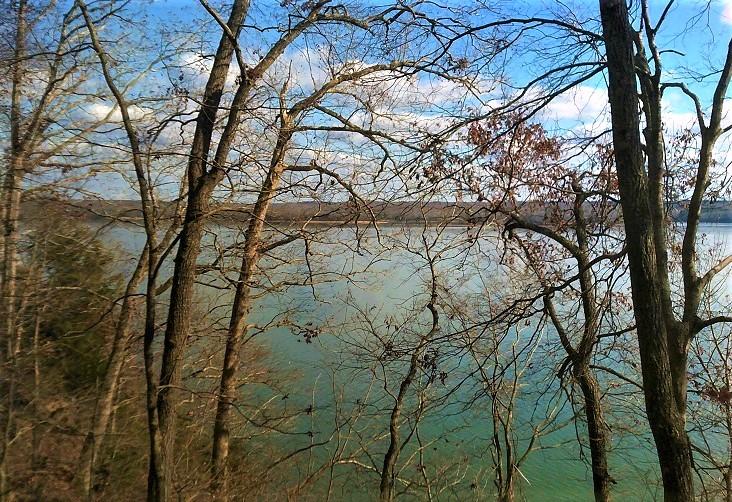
(105, 400)
(11, 212)
(598, 435)
(388, 470)
(386, 487)
(179, 321)
(237, 325)
(596, 427)
(661, 389)
(727, 473)
(36, 433)
(158, 481)
(201, 183)
(506, 493)
(8, 311)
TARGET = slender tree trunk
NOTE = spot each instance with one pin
(596, 427)
(11, 212)
(502, 428)
(105, 400)
(598, 435)
(36, 433)
(9, 326)
(662, 392)
(388, 470)
(506, 493)
(158, 481)
(178, 326)
(201, 183)
(240, 310)
(727, 473)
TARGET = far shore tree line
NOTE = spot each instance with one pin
(415, 211)
(474, 283)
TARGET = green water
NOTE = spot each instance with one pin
(382, 280)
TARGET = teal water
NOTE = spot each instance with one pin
(360, 293)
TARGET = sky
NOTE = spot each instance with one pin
(695, 33)
(698, 29)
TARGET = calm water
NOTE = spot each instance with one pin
(346, 279)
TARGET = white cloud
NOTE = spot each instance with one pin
(306, 66)
(103, 111)
(726, 15)
(582, 103)
(678, 113)
(679, 121)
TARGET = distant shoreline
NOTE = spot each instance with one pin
(411, 213)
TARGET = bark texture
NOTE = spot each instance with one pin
(12, 188)
(226, 398)
(201, 183)
(661, 343)
(580, 352)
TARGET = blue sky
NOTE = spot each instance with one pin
(696, 33)
(698, 29)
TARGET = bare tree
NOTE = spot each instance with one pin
(147, 266)
(45, 63)
(664, 336)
